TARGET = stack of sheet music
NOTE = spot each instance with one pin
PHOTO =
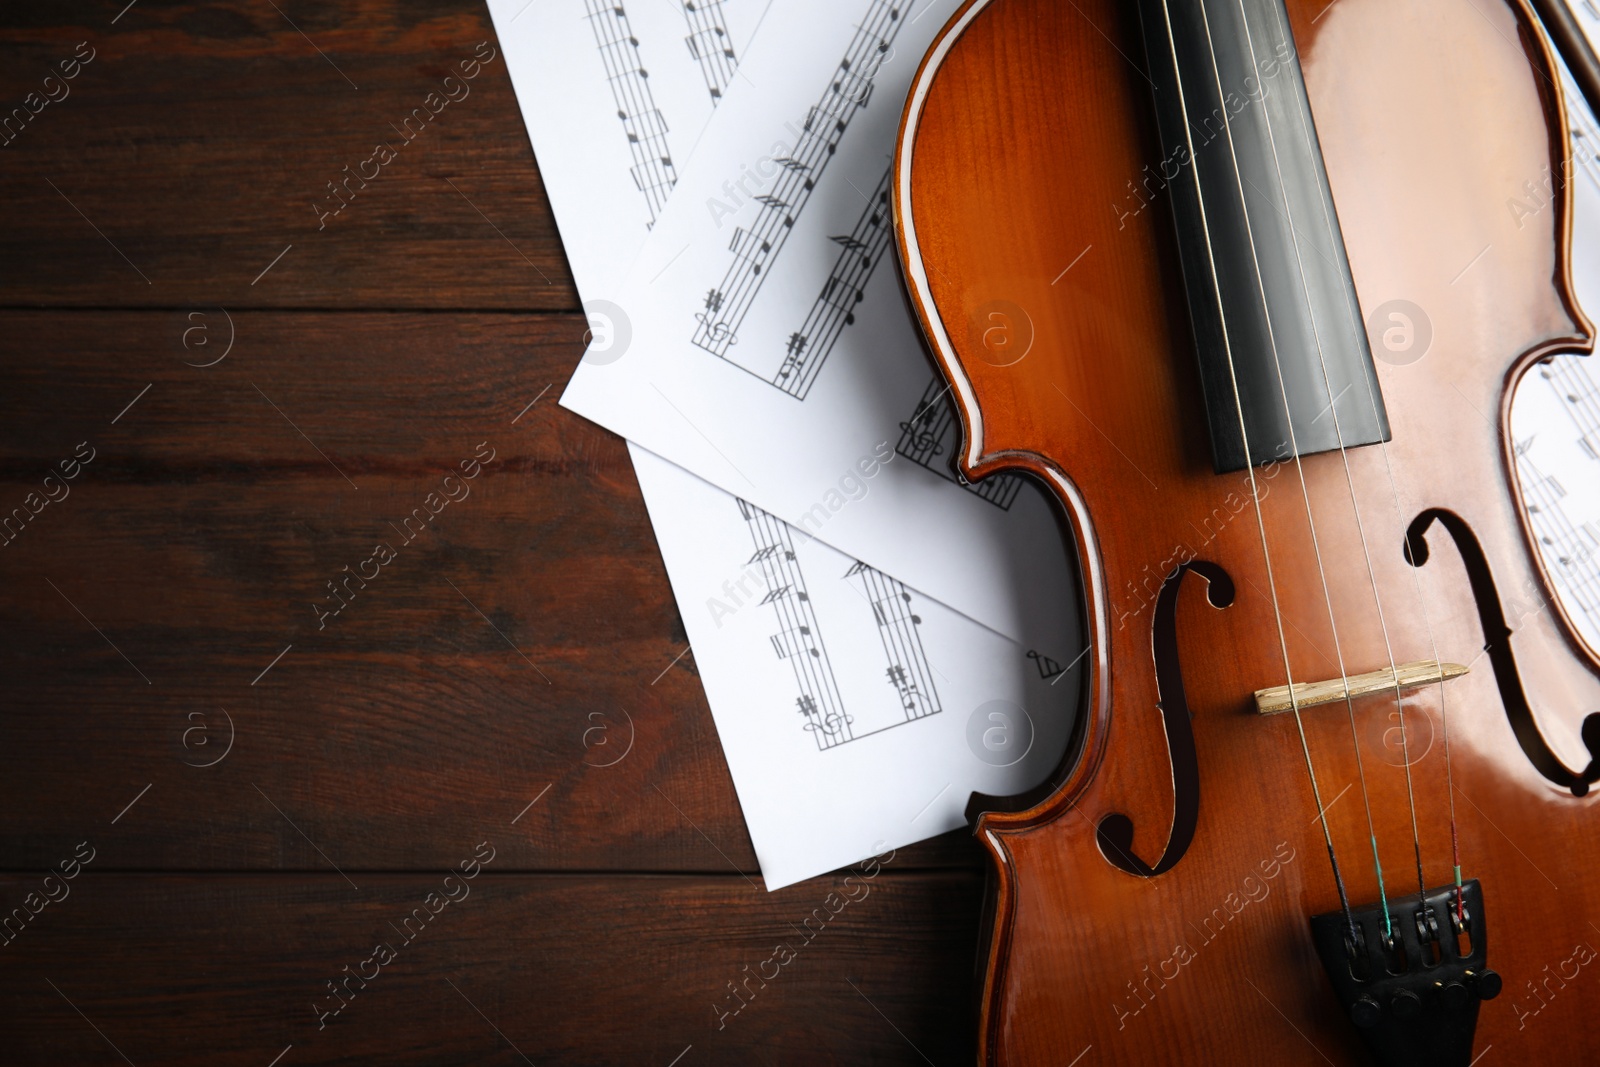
(877, 639)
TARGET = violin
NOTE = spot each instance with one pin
(1248, 285)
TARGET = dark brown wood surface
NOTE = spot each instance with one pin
(200, 137)
(541, 968)
(169, 602)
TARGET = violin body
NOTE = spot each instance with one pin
(1155, 907)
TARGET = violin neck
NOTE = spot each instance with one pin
(1562, 26)
(1277, 326)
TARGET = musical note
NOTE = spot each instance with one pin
(797, 640)
(643, 124)
(1585, 137)
(1048, 668)
(931, 432)
(845, 287)
(834, 725)
(794, 359)
(1580, 400)
(710, 45)
(1569, 551)
(826, 122)
(922, 436)
(908, 671)
(842, 297)
(763, 553)
(748, 245)
(851, 90)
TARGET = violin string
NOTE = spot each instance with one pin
(1305, 490)
(1433, 645)
(1422, 604)
(1355, 504)
(1255, 493)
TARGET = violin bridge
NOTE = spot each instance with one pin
(1310, 694)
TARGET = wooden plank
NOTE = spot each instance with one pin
(200, 140)
(172, 596)
(544, 969)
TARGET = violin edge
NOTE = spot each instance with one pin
(1579, 342)
(1088, 745)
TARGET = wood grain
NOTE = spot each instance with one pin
(198, 139)
(577, 969)
(1294, 571)
(200, 540)
(456, 699)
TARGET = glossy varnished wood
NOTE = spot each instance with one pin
(1019, 167)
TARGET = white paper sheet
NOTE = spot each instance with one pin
(864, 746)
(772, 350)
(614, 96)
(856, 714)
(1557, 422)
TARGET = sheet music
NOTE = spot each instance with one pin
(841, 694)
(860, 250)
(798, 172)
(642, 122)
(931, 435)
(636, 81)
(856, 713)
(711, 44)
(773, 349)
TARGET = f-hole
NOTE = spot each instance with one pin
(1115, 831)
(1497, 642)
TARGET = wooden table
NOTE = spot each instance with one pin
(252, 793)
